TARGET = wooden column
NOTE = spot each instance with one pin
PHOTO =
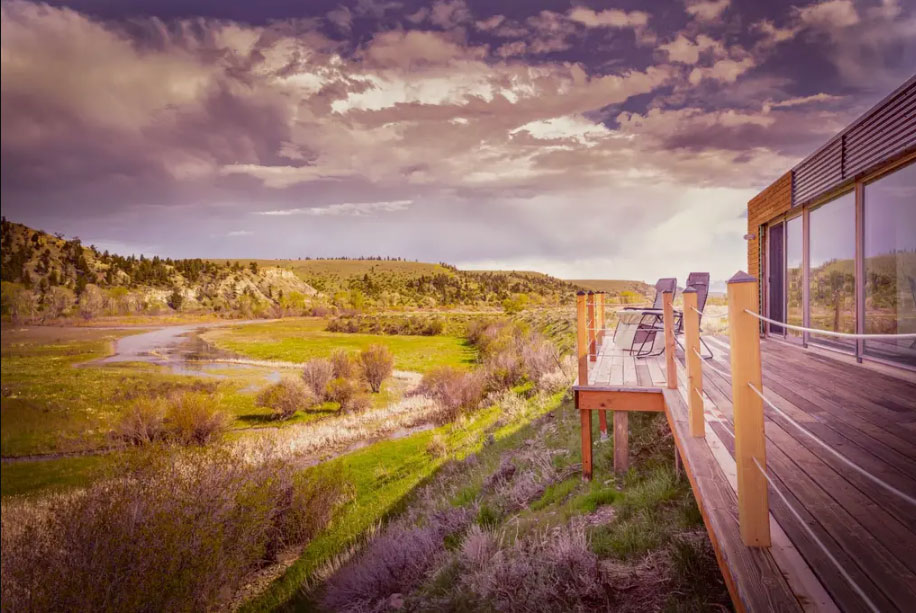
(621, 441)
(694, 364)
(585, 415)
(668, 309)
(599, 309)
(592, 328)
(599, 341)
(750, 441)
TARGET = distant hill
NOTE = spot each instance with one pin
(619, 290)
(391, 282)
(51, 276)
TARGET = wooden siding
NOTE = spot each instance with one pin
(771, 202)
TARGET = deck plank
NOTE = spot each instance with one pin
(752, 575)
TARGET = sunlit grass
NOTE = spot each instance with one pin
(302, 339)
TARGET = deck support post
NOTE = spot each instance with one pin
(668, 316)
(750, 438)
(592, 328)
(694, 365)
(621, 442)
(585, 415)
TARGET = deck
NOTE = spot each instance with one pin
(866, 413)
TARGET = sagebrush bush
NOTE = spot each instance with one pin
(316, 374)
(174, 531)
(342, 363)
(142, 423)
(194, 418)
(376, 364)
(286, 397)
(393, 563)
(551, 571)
(342, 391)
(453, 390)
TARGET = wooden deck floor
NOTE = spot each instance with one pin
(867, 415)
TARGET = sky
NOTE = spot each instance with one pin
(585, 140)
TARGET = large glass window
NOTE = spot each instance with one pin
(890, 263)
(832, 284)
(794, 273)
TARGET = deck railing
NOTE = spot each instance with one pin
(749, 399)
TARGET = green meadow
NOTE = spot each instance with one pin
(299, 340)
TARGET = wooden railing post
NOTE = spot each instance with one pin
(585, 415)
(599, 342)
(599, 309)
(668, 315)
(750, 441)
(592, 328)
(695, 419)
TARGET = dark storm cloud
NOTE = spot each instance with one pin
(518, 134)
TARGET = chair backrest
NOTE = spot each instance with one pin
(700, 282)
(665, 284)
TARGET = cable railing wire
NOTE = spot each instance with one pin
(711, 367)
(837, 454)
(814, 537)
(904, 335)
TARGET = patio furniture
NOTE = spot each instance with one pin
(644, 327)
(639, 324)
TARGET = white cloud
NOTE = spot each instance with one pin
(611, 18)
(724, 71)
(707, 11)
(831, 14)
(348, 209)
(800, 100)
(237, 233)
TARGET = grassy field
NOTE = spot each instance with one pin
(650, 514)
(302, 339)
(52, 405)
(382, 476)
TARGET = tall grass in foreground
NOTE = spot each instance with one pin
(176, 531)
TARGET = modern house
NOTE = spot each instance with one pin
(802, 461)
(833, 241)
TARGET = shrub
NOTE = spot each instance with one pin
(287, 396)
(436, 446)
(452, 389)
(394, 562)
(316, 374)
(358, 402)
(342, 364)
(142, 423)
(341, 391)
(376, 364)
(193, 418)
(174, 532)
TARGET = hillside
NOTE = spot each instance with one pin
(393, 282)
(49, 276)
(52, 276)
(619, 290)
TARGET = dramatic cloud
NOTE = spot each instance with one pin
(567, 138)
